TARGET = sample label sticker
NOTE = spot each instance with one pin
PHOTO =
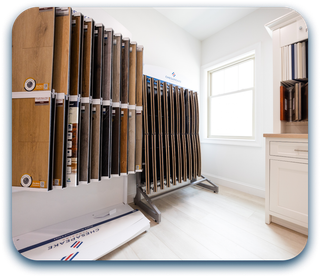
(29, 84)
(26, 180)
(56, 182)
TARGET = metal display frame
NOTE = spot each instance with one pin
(150, 208)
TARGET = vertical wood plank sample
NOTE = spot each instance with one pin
(166, 120)
(193, 137)
(132, 107)
(183, 136)
(125, 56)
(153, 143)
(188, 132)
(32, 50)
(172, 136)
(116, 100)
(86, 106)
(146, 172)
(197, 135)
(96, 102)
(32, 58)
(106, 101)
(74, 117)
(61, 85)
(178, 133)
(139, 131)
(160, 135)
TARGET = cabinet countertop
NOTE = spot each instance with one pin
(304, 136)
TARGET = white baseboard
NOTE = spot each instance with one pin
(235, 185)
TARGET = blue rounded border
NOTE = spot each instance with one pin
(160, 267)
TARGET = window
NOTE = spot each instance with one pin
(231, 93)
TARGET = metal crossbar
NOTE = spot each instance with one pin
(149, 206)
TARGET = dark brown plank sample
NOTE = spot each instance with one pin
(96, 103)
(192, 136)
(188, 134)
(172, 136)
(32, 120)
(197, 135)
(178, 133)
(106, 102)
(166, 120)
(160, 135)
(146, 138)
(183, 136)
(116, 99)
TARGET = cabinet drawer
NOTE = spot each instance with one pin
(289, 149)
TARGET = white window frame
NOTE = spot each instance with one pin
(256, 139)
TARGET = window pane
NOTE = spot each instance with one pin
(231, 115)
(217, 82)
(246, 74)
(231, 78)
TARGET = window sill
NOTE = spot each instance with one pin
(237, 142)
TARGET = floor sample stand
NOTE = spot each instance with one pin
(150, 208)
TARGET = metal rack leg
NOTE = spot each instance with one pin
(213, 187)
(150, 209)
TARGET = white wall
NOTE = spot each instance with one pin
(241, 167)
(165, 46)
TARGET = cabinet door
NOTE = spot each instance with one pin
(289, 189)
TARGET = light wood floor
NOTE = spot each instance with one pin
(197, 224)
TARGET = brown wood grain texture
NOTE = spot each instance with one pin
(116, 98)
(146, 135)
(96, 96)
(160, 135)
(153, 136)
(193, 136)
(197, 135)
(86, 108)
(61, 84)
(125, 56)
(139, 128)
(87, 58)
(132, 103)
(95, 138)
(32, 46)
(172, 135)
(107, 64)
(166, 133)
(107, 107)
(188, 131)
(178, 133)
(76, 54)
(30, 141)
(183, 136)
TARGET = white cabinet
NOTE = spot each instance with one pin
(294, 32)
(287, 179)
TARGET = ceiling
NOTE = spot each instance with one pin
(204, 22)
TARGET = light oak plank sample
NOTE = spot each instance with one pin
(32, 120)
(32, 49)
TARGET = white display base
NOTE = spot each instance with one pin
(87, 237)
